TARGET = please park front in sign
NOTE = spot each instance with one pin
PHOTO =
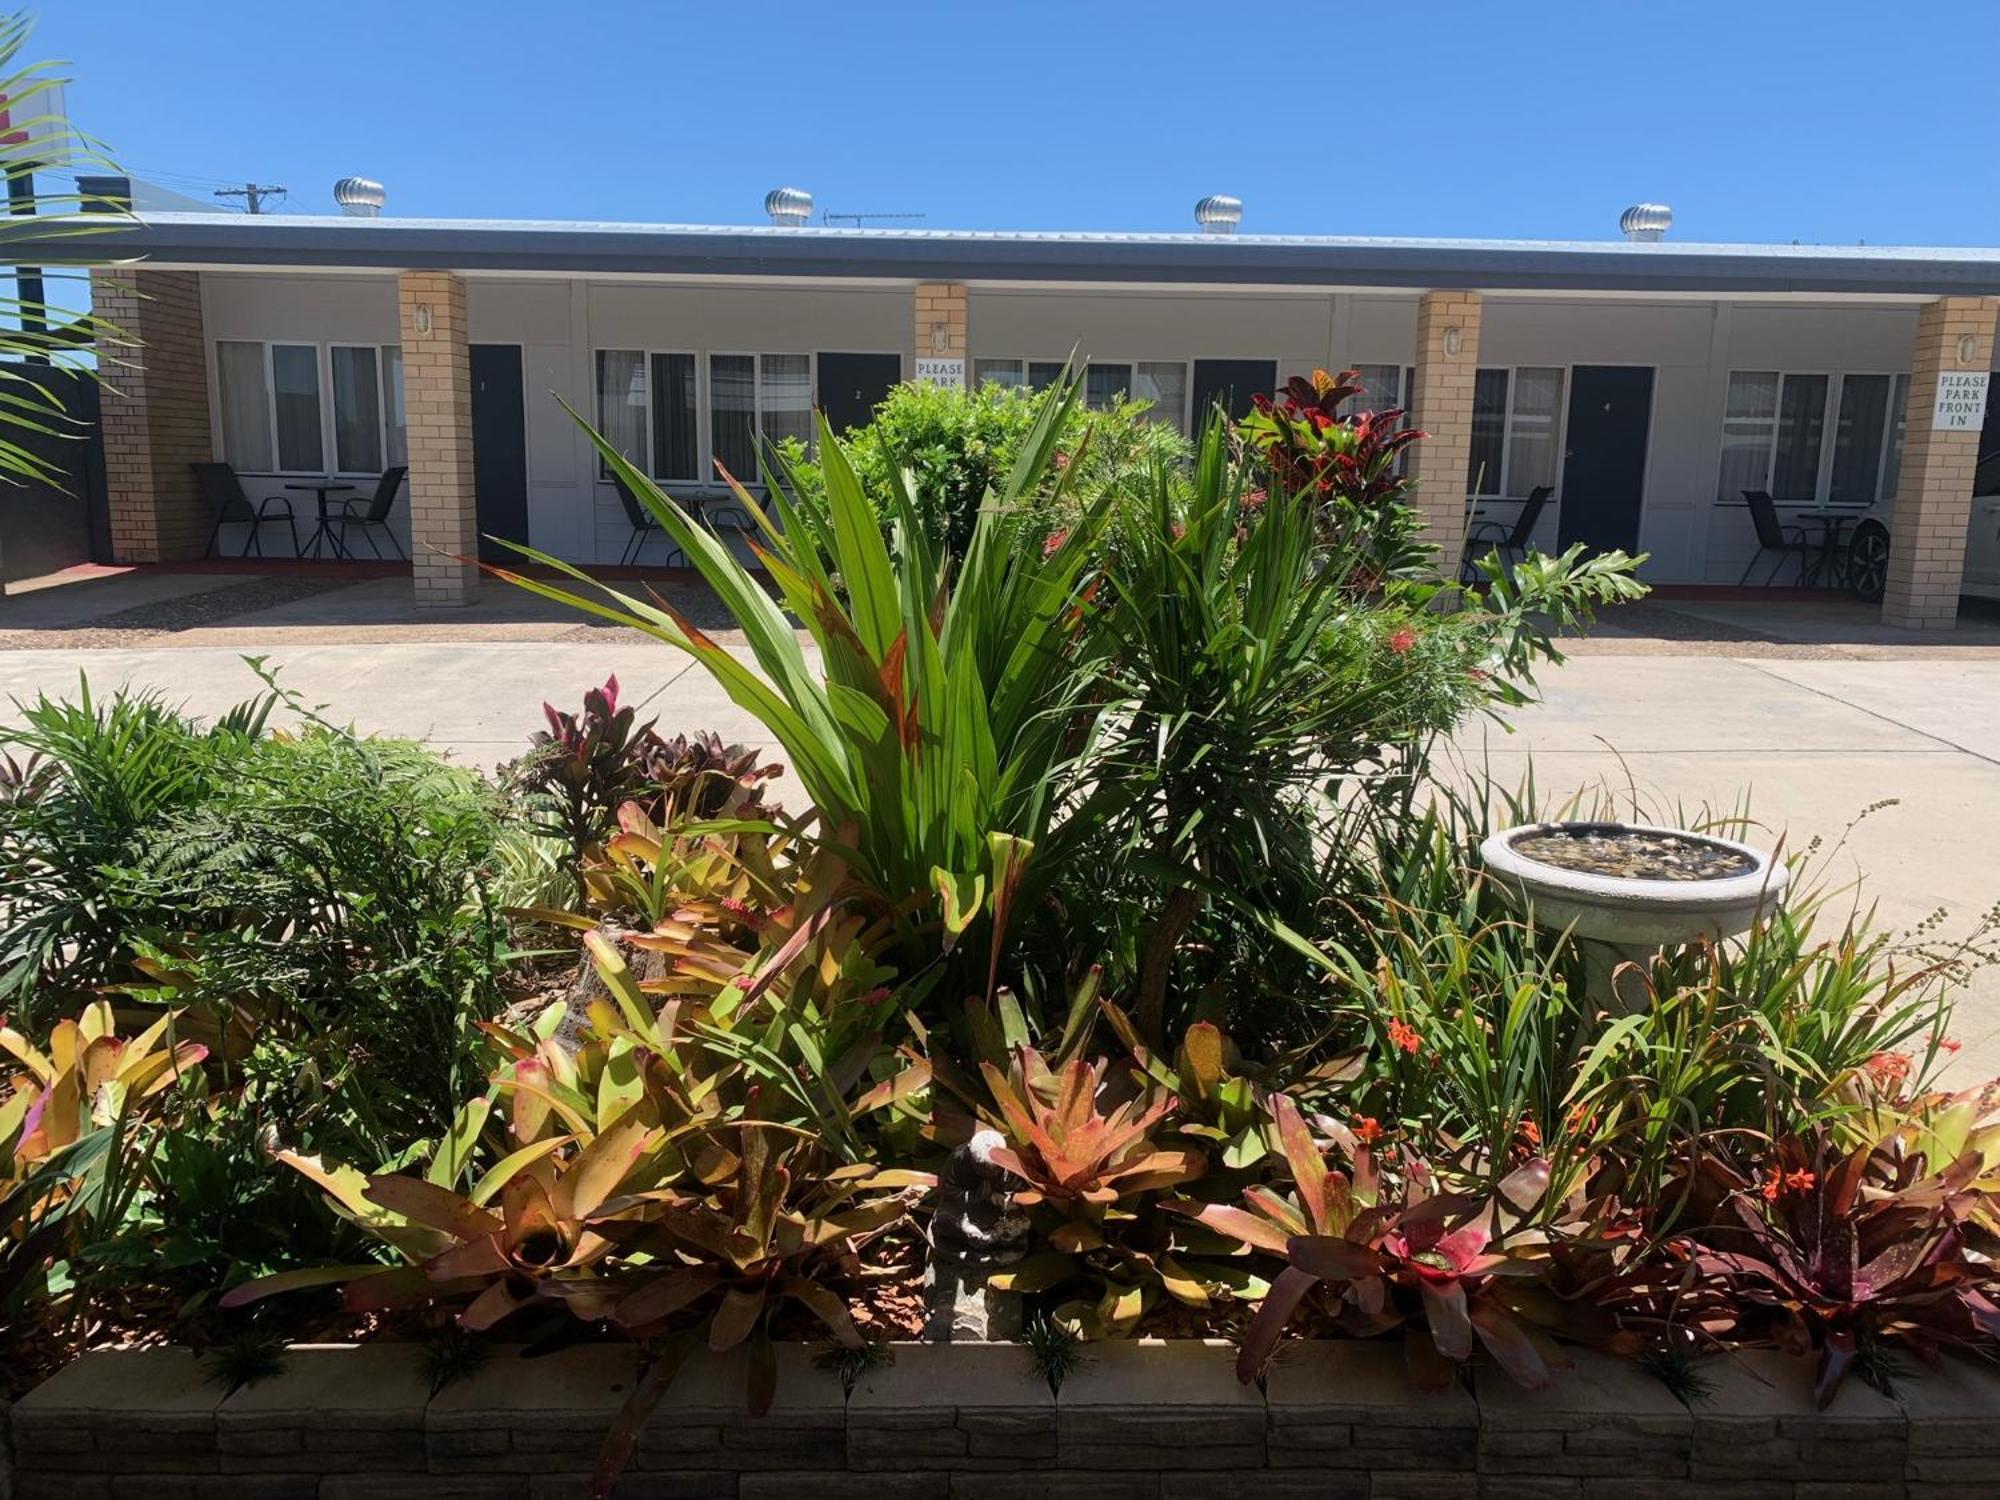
(1961, 401)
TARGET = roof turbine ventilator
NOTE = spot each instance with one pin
(360, 197)
(789, 206)
(1646, 221)
(1219, 213)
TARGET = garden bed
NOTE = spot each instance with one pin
(1335, 1419)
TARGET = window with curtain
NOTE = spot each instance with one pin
(1750, 420)
(396, 442)
(1003, 372)
(1484, 463)
(357, 410)
(1043, 373)
(1165, 384)
(246, 406)
(785, 398)
(1899, 414)
(732, 413)
(295, 405)
(621, 406)
(1532, 424)
(1801, 433)
(676, 418)
(1103, 384)
(1382, 387)
(1860, 437)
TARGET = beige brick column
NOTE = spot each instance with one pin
(155, 417)
(437, 407)
(1934, 485)
(941, 322)
(1447, 357)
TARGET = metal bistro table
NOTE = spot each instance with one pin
(323, 532)
(1827, 558)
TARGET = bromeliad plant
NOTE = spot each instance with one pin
(1842, 1255)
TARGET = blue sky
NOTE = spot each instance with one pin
(1760, 120)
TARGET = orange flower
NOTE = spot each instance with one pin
(1530, 1131)
(1772, 1188)
(1401, 640)
(1800, 1181)
(1888, 1068)
(1368, 1130)
(1404, 1036)
(1052, 544)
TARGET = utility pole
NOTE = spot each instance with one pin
(253, 194)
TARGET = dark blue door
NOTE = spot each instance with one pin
(499, 449)
(1604, 459)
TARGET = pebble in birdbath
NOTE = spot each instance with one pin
(1633, 853)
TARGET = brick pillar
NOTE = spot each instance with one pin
(1934, 485)
(437, 407)
(941, 305)
(1447, 357)
(154, 409)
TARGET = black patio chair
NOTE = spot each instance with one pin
(1773, 536)
(223, 489)
(1511, 542)
(644, 524)
(371, 513)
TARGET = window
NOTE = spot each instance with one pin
(676, 418)
(357, 410)
(1516, 416)
(1382, 387)
(1775, 436)
(1165, 384)
(295, 400)
(246, 406)
(785, 397)
(1162, 382)
(397, 445)
(285, 407)
(621, 407)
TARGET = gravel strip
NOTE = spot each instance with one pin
(136, 626)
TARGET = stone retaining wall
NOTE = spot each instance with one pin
(1339, 1421)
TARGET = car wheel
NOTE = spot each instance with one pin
(1868, 562)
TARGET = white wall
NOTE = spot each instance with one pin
(1691, 345)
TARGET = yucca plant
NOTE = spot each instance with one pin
(929, 734)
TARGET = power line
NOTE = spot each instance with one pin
(253, 194)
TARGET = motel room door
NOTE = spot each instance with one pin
(1604, 458)
(851, 386)
(499, 449)
(1232, 382)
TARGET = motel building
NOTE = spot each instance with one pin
(1643, 382)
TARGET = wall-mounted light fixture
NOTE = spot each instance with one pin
(1968, 348)
(1454, 340)
(940, 337)
(422, 320)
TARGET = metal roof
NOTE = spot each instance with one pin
(499, 245)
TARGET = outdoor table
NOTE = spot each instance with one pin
(1828, 565)
(324, 529)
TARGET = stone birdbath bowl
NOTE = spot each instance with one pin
(1628, 890)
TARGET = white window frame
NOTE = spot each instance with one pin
(329, 452)
(705, 407)
(1559, 434)
(1836, 385)
(1131, 362)
(330, 448)
(752, 482)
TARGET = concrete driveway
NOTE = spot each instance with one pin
(1702, 708)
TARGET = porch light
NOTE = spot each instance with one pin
(1968, 349)
(1454, 340)
(940, 337)
(422, 320)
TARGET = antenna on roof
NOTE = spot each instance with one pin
(856, 220)
(253, 194)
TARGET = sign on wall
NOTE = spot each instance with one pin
(945, 372)
(1961, 401)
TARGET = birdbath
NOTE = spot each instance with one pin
(1627, 890)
